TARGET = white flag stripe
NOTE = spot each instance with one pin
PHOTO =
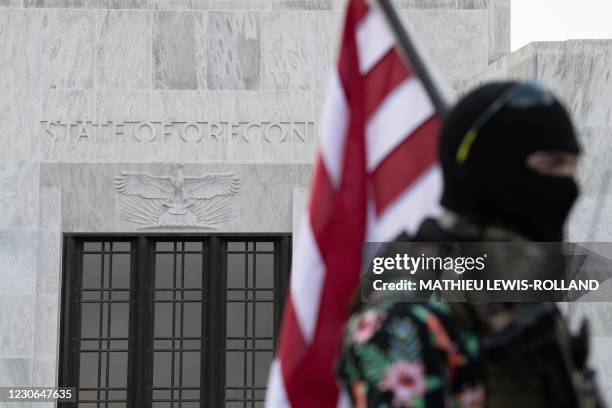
(307, 279)
(419, 201)
(334, 124)
(374, 40)
(371, 223)
(344, 401)
(401, 113)
(275, 394)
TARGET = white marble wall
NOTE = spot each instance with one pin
(19, 197)
(218, 61)
(74, 65)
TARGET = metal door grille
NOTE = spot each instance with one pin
(103, 298)
(250, 292)
(180, 322)
(178, 335)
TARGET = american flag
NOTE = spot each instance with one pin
(375, 176)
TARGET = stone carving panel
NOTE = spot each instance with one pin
(177, 200)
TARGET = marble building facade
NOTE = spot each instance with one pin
(97, 92)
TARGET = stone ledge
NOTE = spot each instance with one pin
(242, 5)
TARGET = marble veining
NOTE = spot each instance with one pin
(68, 50)
(456, 59)
(118, 4)
(44, 374)
(256, 5)
(20, 31)
(288, 50)
(472, 4)
(179, 50)
(11, 3)
(588, 77)
(234, 42)
(17, 322)
(302, 4)
(123, 49)
(46, 326)
(426, 4)
(15, 372)
(55, 3)
(18, 260)
(499, 28)
(18, 195)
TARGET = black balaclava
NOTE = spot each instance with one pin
(494, 185)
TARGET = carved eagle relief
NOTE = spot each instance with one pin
(177, 200)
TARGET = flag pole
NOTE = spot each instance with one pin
(413, 57)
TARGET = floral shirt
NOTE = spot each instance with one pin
(409, 355)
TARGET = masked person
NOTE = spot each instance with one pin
(508, 154)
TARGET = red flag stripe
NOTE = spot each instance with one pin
(328, 257)
(383, 79)
(359, 9)
(292, 347)
(405, 164)
(322, 202)
(401, 113)
(405, 214)
(374, 40)
(337, 238)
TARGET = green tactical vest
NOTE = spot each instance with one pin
(510, 383)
